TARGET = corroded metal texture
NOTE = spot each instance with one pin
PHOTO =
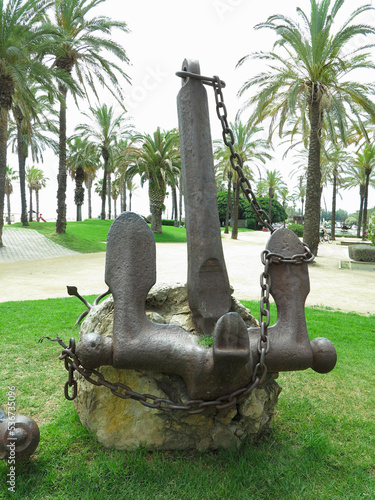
(289, 344)
(138, 343)
(207, 281)
(19, 437)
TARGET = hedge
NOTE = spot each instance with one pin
(363, 253)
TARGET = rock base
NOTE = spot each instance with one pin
(127, 424)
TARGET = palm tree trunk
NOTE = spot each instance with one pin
(156, 196)
(37, 204)
(89, 186)
(31, 204)
(3, 165)
(21, 166)
(174, 206)
(8, 206)
(61, 178)
(227, 215)
(364, 233)
(104, 186)
(236, 202)
(312, 207)
(123, 197)
(333, 219)
(109, 195)
(362, 197)
(180, 200)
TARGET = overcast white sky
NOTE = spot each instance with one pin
(217, 33)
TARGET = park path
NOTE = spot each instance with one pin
(48, 274)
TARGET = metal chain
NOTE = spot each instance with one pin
(123, 391)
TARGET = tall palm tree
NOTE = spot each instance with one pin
(22, 36)
(365, 161)
(273, 183)
(104, 131)
(82, 161)
(35, 181)
(9, 177)
(252, 150)
(30, 131)
(156, 160)
(335, 159)
(307, 81)
(355, 176)
(85, 44)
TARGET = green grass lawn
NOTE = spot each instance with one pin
(90, 235)
(322, 445)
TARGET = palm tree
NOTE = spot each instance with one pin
(81, 162)
(81, 47)
(355, 176)
(9, 177)
(273, 183)
(157, 160)
(35, 181)
(251, 150)
(104, 132)
(335, 158)
(309, 78)
(22, 36)
(365, 161)
(33, 121)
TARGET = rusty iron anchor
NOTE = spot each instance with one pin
(139, 343)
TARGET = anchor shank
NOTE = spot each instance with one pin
(207, 282)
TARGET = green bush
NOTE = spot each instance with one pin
(297, 229)
(251, 224)
(363, 253)
(168, 222)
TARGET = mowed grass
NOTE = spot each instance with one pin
(321, 446)
(90, 235)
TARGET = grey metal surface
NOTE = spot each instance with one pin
(207, 281)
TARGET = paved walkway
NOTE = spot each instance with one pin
(27, 244)
(22, 278)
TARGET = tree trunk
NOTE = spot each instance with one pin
(79, 193)
(365, 204)
(21, 166)
(3, 165)
(109, 195)
(236, 202)
(123, 197)
(61, 178)
(31, 204)
(312, 207)
(156, 197)
(8, 205)
(362, 196)
(104, 186)
(333, 218)
(229, 199)
(37, 204)
(180, 189)
(174, 206)
(89, 186)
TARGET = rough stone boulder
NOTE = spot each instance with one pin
(126, 423)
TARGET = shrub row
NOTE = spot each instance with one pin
(363, 253)
(169, 222)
